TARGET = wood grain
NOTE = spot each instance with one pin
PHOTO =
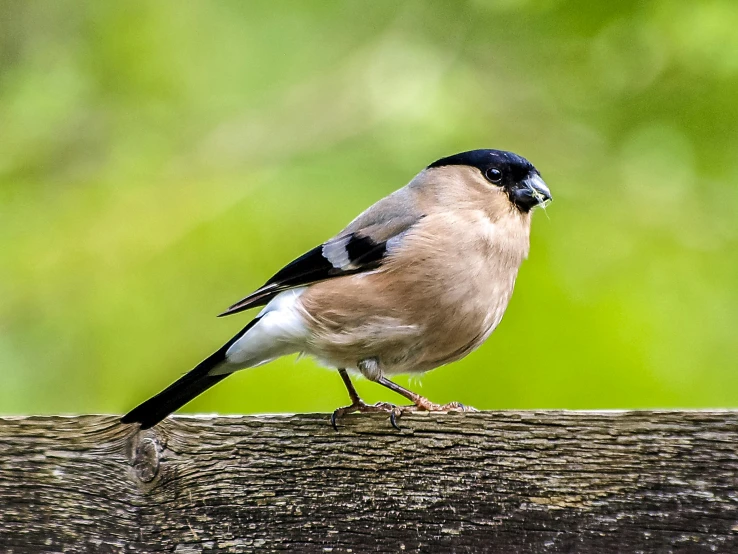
(492, 481)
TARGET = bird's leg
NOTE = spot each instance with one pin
(357, 404)
(353, 395)
(421, 403)
(371, 369)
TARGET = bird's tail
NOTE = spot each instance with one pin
(184, 389)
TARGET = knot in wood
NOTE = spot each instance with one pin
(146, 460)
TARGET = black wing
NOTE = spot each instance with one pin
(343, 255)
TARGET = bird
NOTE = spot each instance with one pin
(418, 280)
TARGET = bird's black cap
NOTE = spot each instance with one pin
(511, 172)
(485, 159)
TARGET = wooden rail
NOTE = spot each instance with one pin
(493, 481)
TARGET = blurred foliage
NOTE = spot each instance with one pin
(160, 160)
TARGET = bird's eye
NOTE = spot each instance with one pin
(494, 175)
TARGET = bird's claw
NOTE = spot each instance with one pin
(396, 412)
(363, 407)
(422, 404)
(393, 418)
(455, 407)
(427, 406)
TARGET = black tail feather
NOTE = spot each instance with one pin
(183, 390)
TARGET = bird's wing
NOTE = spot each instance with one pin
(361, 246)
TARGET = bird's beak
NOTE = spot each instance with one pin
(531, 192)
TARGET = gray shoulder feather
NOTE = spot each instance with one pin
(361, 246)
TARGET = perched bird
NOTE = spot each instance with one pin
(418, 280)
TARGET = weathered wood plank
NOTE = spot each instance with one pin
(494, 481)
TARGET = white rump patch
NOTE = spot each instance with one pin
(281, 330)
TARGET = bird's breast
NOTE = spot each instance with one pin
(437, 297)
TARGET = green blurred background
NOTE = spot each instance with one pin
(160, 160)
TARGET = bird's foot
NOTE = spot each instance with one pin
(422, 404)
(364, 408)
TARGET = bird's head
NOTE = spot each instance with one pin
(505, 172)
